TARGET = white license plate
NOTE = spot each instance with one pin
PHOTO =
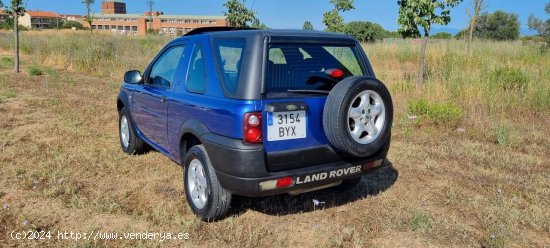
(286, 125)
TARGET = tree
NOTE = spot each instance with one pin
(57, 24)
(416, 14)
(259, 25)
(308, 26)
(332, 18)
(498, 26)
(152, 31)
(88, 18)
(365, 31)
(238, 15)
(72, 24)
(442, 35)
(16, 10)
(477, 5)
(541, 27)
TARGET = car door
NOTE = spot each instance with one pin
(150, 102)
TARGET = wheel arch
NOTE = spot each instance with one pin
(122, 100)
(190, 135)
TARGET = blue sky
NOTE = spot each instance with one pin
(293, 13)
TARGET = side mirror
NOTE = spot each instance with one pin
(133, 77)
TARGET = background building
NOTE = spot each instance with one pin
(113, 18)
(113, 7)
(75, 18)
(171, 25)
(39, 19)
(4, 16)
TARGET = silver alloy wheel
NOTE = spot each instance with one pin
(124, 131)
(366, 117)
(196, 183)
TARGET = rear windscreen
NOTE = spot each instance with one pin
(296, 67)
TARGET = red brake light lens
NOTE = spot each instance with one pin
(284, 182)
(252, 127)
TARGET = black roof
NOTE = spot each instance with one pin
(214, 29)
(274, 35)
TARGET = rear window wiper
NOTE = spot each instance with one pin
(310, 91)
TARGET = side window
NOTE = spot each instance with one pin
(196, 77)
(347, 57)
(164, 70)
(276, 56)
(229, 55)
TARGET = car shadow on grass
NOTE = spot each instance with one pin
(371, 184)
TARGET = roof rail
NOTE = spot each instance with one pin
(214, 29)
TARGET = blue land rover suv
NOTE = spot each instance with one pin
(258, 112)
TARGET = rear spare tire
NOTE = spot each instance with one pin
(358, 116)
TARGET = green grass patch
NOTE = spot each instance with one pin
(51, 72)
(541, 98)
(503, 136)
(447, 113)
(6, 95)
(36, 71)
(421, 221)
(5, 62)
(508, 78)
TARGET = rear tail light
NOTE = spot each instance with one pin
(278, 183)
(373, 164)
(252, 128)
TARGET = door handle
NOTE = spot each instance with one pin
(163, 98)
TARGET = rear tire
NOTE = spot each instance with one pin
(206, 197)
(129, 141)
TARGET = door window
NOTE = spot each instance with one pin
(163, 71)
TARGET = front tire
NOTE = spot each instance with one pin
(206, 197)
(129, 141)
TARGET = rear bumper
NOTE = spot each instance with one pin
(242, 168)
(306, 178)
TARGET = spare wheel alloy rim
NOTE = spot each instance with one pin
(196, 183)
(366, 117)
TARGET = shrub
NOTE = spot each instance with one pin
(448, 113)
(35, 71)
(71, 24)
(442, 35)
(462, 34)
(509, 78)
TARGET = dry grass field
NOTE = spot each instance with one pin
(472, 170)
